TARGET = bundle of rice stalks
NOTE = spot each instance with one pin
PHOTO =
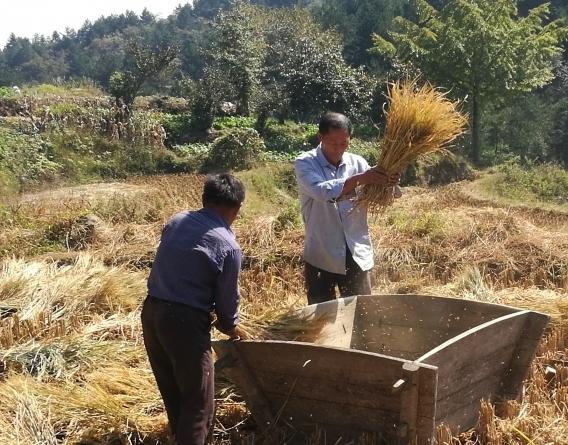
(276, 324)
(419, 121)
(84, 287)
(27, 422)
(286, 322)
(65, 358)
(118, 401)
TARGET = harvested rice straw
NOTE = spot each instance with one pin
(280, 324)
(419, 121)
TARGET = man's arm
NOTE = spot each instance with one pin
(317, 187)
(313, 182)
(374, 175)
(227, 295)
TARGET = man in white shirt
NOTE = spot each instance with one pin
(337, 246)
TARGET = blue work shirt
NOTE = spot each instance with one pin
(332, 224)
(197, 264)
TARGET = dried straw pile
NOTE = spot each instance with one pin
(419, 121)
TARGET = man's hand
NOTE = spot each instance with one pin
(377, 175)
(393, 179)
(238, 333)
(235, 333)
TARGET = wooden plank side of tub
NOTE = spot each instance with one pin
(306, 384)
(408, 326)
(329, 323)
(418, 405)
(524, 352)
(473, 366)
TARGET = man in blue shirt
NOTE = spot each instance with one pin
(337, 246)
(195, 273)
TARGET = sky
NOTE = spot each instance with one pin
(28, 17)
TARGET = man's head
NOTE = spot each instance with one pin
(334, 134)
(225, 193)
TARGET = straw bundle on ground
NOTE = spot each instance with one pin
(419, 121)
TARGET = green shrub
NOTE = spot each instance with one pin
(82, 155)
(274, 156)
(368, 149)
(289, 137)
(136, 160)
(227, 122)
(25, 159)
(237, 149)
(6, 92)
(367, 132)
(8, 184)
(195, 155)
(178, 128)
(164, 104)
(446, 169)
(169, 162)
(288, 218)
(67, 109)
(548, 183)
(438, 170)
(270, 187)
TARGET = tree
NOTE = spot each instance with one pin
(146, 61)
(559, 133)
(235, 53)
(209, 8)
(147, 18)
(479, 49)
(356, 21)
(102, 57)
(304, 70)
(18, 51)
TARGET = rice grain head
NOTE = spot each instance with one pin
(420, 120)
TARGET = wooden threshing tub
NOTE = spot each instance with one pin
(390, 366)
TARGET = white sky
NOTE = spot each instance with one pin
(28, 17)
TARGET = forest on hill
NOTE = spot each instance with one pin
(293, 59)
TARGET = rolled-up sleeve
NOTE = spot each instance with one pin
(227, 291)
(314, 184)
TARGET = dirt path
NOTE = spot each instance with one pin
(85, 192)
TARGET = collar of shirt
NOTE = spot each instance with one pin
(323, 160)
(216, 217)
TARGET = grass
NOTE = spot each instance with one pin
(543, 183)
(267, 187)
(422, 224)
(544, 186)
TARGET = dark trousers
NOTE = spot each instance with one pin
(178, 342)
(320, 284)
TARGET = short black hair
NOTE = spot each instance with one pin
(223, 189)
(336, 121)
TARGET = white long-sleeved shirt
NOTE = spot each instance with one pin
(332, 224)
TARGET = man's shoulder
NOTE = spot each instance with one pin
(224, 239)
(177, 219)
